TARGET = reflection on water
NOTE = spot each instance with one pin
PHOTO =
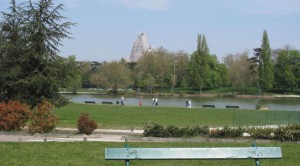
(283, 104)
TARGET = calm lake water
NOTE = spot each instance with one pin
(284, 104)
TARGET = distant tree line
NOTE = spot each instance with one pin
(161, 69)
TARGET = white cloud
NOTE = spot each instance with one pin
(145, 4)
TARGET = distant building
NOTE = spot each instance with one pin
(139, 47)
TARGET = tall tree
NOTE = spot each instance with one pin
(287, 69)
(238, 70)
(34, 69)
(73, 80)
(199, 68)
(113, 75)
(158, 63)
(265, 69)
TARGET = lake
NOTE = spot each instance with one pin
(283, 104)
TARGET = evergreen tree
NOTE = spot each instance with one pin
(30, 63)
(265, 69)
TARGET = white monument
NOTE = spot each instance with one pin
(139, 47)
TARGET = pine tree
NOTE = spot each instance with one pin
(32, 32)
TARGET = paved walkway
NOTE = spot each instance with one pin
(69, 135)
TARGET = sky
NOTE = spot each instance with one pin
(107, 29)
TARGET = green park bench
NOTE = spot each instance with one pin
(208, 106)
(107, 102)
(220, 153)
(232, 106)
(90, 102)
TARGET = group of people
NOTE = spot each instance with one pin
(188, 103)
(155, 101)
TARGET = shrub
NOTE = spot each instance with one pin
(42, 120)
(198, 130)
(13, 115)
(261, 133)
(172, 131)
(288, 133)
(227, 132)
(85, 125)
(152, 129)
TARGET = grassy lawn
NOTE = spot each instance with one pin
(116, 117)
(92, 153)
(110, 116)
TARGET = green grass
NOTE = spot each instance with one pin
(116, 117)
(108, 116)
(92, 153)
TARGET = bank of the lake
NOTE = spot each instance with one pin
(117, 117)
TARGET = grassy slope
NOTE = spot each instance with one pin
(92, 153)
(109, 116)
(112, 116)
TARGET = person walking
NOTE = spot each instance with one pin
(190, 103)
(122, 101)
(156, 101)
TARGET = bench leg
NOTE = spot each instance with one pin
(257, 162)
(127, 163)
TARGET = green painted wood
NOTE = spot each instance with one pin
(192, 153)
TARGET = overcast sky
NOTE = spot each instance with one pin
(107, 29)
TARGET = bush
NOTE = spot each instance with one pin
(172, 131)
(13, 115)
(284, 133)
(261, 133)
(42, 120)
(227, 132)
(198, 130)
(85, 125)
(152, 129)
(288, 133)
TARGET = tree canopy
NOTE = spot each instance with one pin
(112, 75)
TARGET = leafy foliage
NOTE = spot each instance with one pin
(286, 70)
(265, 68)
(85, 124)
(199, 68)
(43, 120)
(238, 68)
(13, 115)
(112, 75)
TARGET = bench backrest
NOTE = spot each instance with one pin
(192, 153)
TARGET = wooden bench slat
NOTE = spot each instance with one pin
(192, 153)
